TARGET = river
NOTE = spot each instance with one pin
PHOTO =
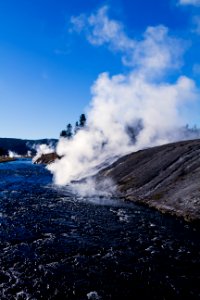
(56, 245)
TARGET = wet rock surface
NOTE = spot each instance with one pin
(165, 177)
(46, 158)
(56, 245)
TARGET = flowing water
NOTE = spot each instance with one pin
(55, 245)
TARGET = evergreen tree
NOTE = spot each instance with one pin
(69, 131)
(76, 128)
(82, 120)
(3, 152)
(63, 133)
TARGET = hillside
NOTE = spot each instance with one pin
(165, 177)
(21, 147)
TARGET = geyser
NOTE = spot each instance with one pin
(119, 101)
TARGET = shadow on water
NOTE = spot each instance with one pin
(55, 245)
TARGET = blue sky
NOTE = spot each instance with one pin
(47, 67)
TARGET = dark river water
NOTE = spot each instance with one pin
(55, 245)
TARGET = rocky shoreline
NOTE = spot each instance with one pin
(165, 177)
(46, 158)
(6, 159)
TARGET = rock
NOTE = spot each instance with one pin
(46, 158)
(165, 177)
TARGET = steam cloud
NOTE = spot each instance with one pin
(13, 154)
(141, 99)
(190, 2)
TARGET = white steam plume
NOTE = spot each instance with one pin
(118, 102)
(154, 53)
(189, 2)
(29, 153)
(13, 154)
(123, 101)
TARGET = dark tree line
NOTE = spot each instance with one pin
(69, 132)
(3, 152)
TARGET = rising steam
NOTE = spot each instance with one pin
(140, 99)
(13, 154)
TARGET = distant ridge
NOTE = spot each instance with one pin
(22, 146)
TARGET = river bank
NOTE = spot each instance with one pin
(164, 177)
(6, 159)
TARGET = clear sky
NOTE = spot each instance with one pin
(48, 65)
